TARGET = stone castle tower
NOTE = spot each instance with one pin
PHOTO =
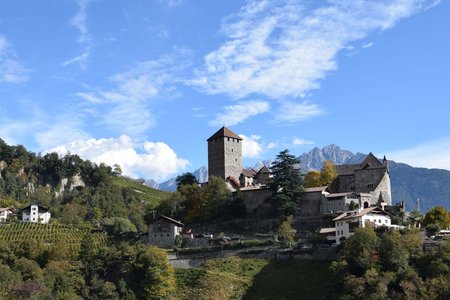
(225, 154)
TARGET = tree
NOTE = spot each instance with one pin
(117, 170)
(185, 179)
(154, 274)
(360, 250)
(312, 179)
(287, 233)
(216, 196)
(393, 254)
(328, 174)
(439, 216)
(286, 184)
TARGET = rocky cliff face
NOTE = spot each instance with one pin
(313, 160)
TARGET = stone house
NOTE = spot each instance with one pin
(346, 223)
(36, 214)
(163, 231)
(369, 177)
(5, 213)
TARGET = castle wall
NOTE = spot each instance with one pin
(366, 180)
(383, 189)
(256, 201)
(310, 204)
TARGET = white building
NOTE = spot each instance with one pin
(346, 223)
(36, 214)
(5, 213)
(163, 231)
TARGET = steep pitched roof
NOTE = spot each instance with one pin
(40, 208)
(165, 218)
(248, 172)
(264, 169)
(5, 209)
(224, 132)
(370, 162)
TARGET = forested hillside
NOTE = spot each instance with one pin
(78, 192)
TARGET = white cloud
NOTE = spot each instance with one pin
(127, 106)
(154, 160)
(290, 112)
(434, 154)
(235, 114)
(284, 49)
(251, 146)
(368, 45)
(11, 70)
(298, 141)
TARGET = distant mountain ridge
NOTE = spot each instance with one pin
(431, 186)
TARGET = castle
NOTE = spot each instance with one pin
(363, 185)
(225, 161)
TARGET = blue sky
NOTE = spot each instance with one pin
(145, 83)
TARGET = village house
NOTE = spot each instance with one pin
(5, 213)
(346, 223)
(163, 231)
(36, 214)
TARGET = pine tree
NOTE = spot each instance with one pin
(286, 184)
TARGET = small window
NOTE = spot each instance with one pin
(232, 150)
(162, 235)
(168, 235)
(154, 235)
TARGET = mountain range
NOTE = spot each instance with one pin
(430, 186)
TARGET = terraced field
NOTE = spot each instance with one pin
(49, 234)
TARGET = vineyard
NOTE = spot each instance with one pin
(48, 234)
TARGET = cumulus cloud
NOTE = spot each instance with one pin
(11, 70)
(154, 160)
(434, 154)
(285, 48)
(251, 146)
(290, 112)
(235, 114)
(126, 107)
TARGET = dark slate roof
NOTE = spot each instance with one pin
(370, 162)
(165, 218)
(40, 208)
(346, 169)
(248, 172)
(224, 132)
(264, 169)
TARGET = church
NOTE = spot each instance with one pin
(361, 185)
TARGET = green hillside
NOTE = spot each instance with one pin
(238, 278)
(149, 195)
(48, 234)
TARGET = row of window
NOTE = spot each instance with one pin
(342, 232)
